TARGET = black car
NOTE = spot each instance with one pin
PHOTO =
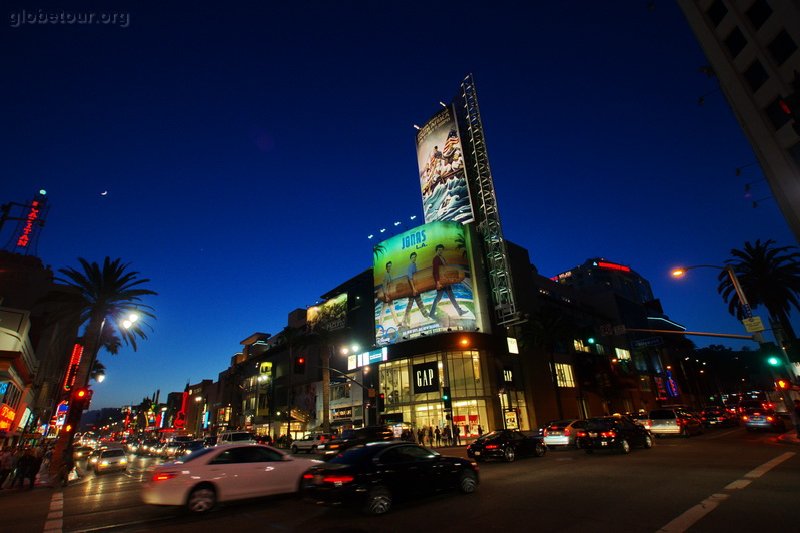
(373, 476)
(717, 416)
(506, 444)
(354, 437)
(614, 432)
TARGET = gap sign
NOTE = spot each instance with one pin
(425, 377)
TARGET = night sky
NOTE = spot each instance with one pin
(247, 152)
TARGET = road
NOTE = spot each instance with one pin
(725, 480)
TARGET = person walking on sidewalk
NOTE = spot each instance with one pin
(456, 435)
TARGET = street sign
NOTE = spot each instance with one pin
(753, 325)
(649, 341)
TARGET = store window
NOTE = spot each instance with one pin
(564, 376)
(623, 354)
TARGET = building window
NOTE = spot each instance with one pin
(756, 75)
(758, 13)
(716, 12)
(579, 345)
(782, 47)
(564, 375)
(623, 354)
(775, 114)
(600, 349)
(735, 42)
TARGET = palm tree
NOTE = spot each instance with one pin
(98, 369)
(102, 294)
(769, 276)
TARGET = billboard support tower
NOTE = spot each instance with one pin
(486, 213)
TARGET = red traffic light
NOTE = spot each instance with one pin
(301, 360)
(80, 394)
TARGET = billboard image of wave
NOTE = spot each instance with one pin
(424, 284)
(440, 156)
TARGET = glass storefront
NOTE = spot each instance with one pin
(465, 375)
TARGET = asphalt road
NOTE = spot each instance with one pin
(726, 480)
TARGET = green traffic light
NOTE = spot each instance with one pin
(590, 340)
(773, 361)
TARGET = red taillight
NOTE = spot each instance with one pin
(308, 476)
(770, 419)
(581, 434)
(745, 418)
(756, 414)
(163, 476)
(492, 446)
(608, 434)
(648, 424)
(567, 432)
(545, 432)
(337, 479)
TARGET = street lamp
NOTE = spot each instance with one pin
(679, 272)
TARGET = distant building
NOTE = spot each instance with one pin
(752, 47)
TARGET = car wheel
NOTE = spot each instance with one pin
(648, 442)
(294, 449)
(379, 501)
(510, 454)
(468, 482)
(624, 446)
(540, 449)
(202, 498)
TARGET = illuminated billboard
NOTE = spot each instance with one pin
(330, 315)
(445, 194)
(424, 283)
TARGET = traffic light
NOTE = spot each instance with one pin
(781, 384)
(448, 401)
(380, 402)
(80, 398)
(590, 340)
(773, 361)
(300, 365)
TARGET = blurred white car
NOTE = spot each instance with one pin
(236, 471)
(563, 432)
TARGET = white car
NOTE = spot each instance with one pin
(563, 432)
(224, 473)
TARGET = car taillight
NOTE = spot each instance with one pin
(163, 476)
(581, 434)
(308, 476)
(337, 479)
(648, 423)
(567, 432)
(492, 446)
(608, 434)
(545, 432)
(756, 414)
(745, 418)
(770, 419)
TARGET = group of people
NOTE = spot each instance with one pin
(18, 465)
(434, 436)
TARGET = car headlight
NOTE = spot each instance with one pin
(104, 463)
(123, 461)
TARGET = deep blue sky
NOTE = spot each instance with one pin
(248, 152)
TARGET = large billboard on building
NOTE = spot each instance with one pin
(329, 315)
(425, 284)
(445, 194)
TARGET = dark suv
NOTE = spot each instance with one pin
(353, 437)
(614, 432)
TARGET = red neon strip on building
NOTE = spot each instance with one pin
(72, 369)
(24, 238)
(613, 266)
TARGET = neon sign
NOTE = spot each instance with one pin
(33, 215)
(613, 266)
(7, 416)
(72, 369)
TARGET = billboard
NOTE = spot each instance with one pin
(440, 156)
(330, 315)
(424, 283)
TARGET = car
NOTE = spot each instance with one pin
(614, 433)
(354, 437)
(146, 446)
(110, 460)
(506, 444)
(754, 419)
(81, 452)
(235, 437)
(94, 456)
(188, 447)
(563, 432)
(310, 443)
(717, 417)
(224, 473)
(673, 421)
(373, 476)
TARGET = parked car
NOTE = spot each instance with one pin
(673, 422)
(717, 417)
(110, 460)
(563, 432)
(224, 473)
(310, 443)
(614, 433)
(354, 437)
(763, 419)
(506, 444)
(373, 476)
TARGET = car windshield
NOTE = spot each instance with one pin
(599, 424)
(355, 455)
(113, 453)
(195, 455)
(559, 424)
(662, 414)
(491, 435)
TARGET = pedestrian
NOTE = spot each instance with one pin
(456, 435)
(33, 468)
(438, 437)
(420, 439)
(24, 463)
(447, 436)
(480, 431)
(797, 417)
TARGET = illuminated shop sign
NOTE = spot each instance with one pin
(424, 283)
(508, 375)
(512, 345)
(440, 157)
(425, 377)
(30, 219)
(72, 369)
(367, 358)
(612, 266)
(7, 415)
(344, 413)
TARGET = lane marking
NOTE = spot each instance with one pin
(693, 515)
(718, 435)
(54, 522)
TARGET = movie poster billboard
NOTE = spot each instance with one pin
(424, 283)
(329, 315)
(445, 194)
